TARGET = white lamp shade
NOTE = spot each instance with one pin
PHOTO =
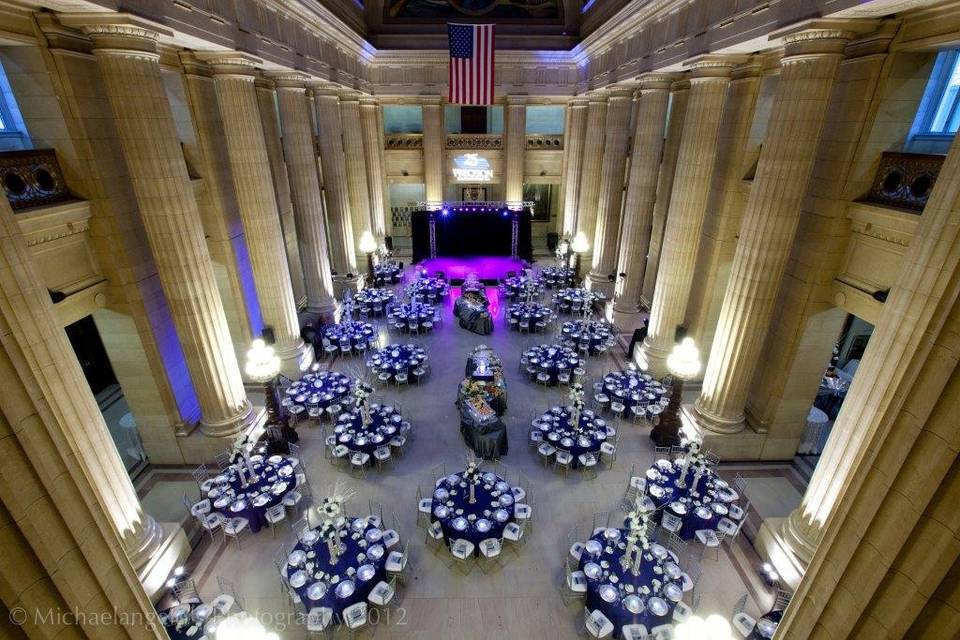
(580, 243)
(367, 242)
(262, 363)
(684, 361)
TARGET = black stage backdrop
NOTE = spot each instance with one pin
(469, 233)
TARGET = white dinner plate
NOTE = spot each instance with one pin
(317, 590)
(608, 593)
(658, 606)
(592, 570)
(298, 579)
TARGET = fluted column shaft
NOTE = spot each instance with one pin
(131, 75)
(652, 101)
(433, 145)
(306, 196)
(688, 203)
(515, 144)
(809, 68)
(612, 170)
(573, 138)
(267, 98)
(252, 179)
(679, 96)
(376, 170)
(589, 195)
(356, 164)
(335, 187)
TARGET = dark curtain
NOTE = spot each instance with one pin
(470, 233)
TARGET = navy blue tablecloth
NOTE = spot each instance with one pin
(533, 312)
(355, 539)
(548, 359)
(626, 584)
(417, 313)
(565, 299)
(355, 331)
(595, 331)
(631, 388)
(279, 474)
(387, 273)
(385, 423)
(451, 500)
(518, 287)
(398, 358)
(557, 276)
(370, 298)
(430, 288)
(318, 390)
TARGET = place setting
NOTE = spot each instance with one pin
(317, 394)
(372, 301)
(368, 433)
(551, 364)
(575, 300)
(588, 336)
(557, 276)
(413, 317)
(522, 287)
(529, 316)
(428, 288)
(632, 393)
(348, 336)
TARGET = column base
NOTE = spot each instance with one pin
(325, 311)
(601, 283)
(295, 358)
(244, 421)
(142, 545)
(652, 360)
(709, 422)
(346, 283)
(778, 545)
(171, 552)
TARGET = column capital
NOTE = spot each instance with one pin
(752, 68)
(324, 89)
(656, 81)
(819, 37)
(430, 100)
(369, 101)
(621, 92)
(288, 80)
(683, 84)
(192, 66)
(597, 96)
(230, 63)
(516, 99)
(349, 95)
(578, 102)
(120, 32)
(711, 67)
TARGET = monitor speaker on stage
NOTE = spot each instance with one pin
(388, 242)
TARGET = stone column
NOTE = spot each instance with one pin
(809, 68)
(269, 119)
(679, 95)
(573, 138)
(129, 64)
(234, 76)
(65, 488)
(376, 169)
(356, 164)
(335, 188)
(514, 146)
(434, 144)
(589, 195)
(652, 101)
(305, 192)
(728, 196)
(612, 171)
(688, 203)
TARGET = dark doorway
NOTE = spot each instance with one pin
(88, 346)
(473, 119)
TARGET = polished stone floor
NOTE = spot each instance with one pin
(521, 600)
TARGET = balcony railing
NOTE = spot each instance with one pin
(395, 141)
(474, 141)
(545, 142)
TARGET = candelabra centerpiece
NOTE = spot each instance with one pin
(472, 476)
(576, 404)
(637, 524)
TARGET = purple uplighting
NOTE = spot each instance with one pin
(487, 268)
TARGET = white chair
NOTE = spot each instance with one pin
(597, 624)
(319, 619)
(201, 508)
(563, 459)
(671, 522)
(728, 527)
(462, 550)
(744, 624)
(396, 562)
(233, 527)
(390, 538)
(424, 508)
(291, 500)
(681, 612)
(546, 451)
(737, 512)
(358, 463)
(490, 550)
(381, 594)
(634, 632)
(588, 464)
(577, 582)
(522, 511)
(434, 535)
(210, 523)
(663, 632)
(518, 494)
(381, 455)
(355, 616)
(608, 453)
(274, 516)
(576, 551)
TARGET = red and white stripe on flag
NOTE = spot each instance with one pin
(472, 78)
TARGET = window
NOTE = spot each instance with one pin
(939, 112)
(402, 118)
(13, 130)
(545, 119)
(472, 119)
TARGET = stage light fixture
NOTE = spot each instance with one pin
(445, 212)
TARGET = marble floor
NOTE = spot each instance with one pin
(522, 599)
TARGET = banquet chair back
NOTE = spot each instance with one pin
(280, 559)
(663, 452)
(783, 599)
(186, 591)
(222, 459)
(675, 543)
(376, 512)
(601, 519)
(438, 471)
(740, 484)
(200, 474)
(739, 606)
(229, 588)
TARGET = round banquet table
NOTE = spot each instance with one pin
(360, 565)
(372, 299)
(354, 332)
(700, 510)
(417, 313)
(631, 388)
(430, 288)
(647, 598)
(551, 359)
(316, 391)
(587, 438)
(596, 332)
(518, 287)
(574, 300)
(353, 434)
(388, 272)
(766, 626)
(485, 518)
(532, 312)
(555, 277)
(398, 358)
(274, 478)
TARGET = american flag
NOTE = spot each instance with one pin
(471, 63)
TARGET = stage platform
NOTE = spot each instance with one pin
(488, 268)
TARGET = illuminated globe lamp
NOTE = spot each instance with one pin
(243, 627)
(263, 365)
(579, 246)
(683, 363)
(368, 245)
(715, 627)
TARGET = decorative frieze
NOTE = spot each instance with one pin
(474, 141)
(393, 141)
(545, 142)
(32, 178)
(905, 180)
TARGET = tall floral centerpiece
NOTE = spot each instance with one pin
(472, 476)
(576, 404)
(638, 542)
